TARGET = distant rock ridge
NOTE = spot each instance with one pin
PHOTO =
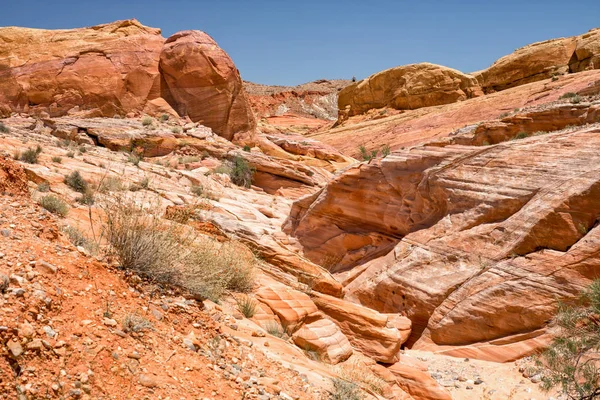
(413, 86)
(121, 68)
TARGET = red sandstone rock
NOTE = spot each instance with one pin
(201, 81)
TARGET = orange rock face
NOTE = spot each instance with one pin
(201, 81)
(484, 238)
(406, 88)
(113, 69)
(105, 70)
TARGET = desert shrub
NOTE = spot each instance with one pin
(76, 182)
(111, 184)
(87, 198)
(575, 99)
(357, 371)
(188, 159)
(4, 128)
(164, 117)
(246, 305)
(212, 268)
(198, 190)
(147, 121)
(274, 329)
(344, 390)
(82, 149)
(57, 159)
(43, 187)
(241, 172)
(31, 155)
(176, 129)
(135, 323)
(385, 150)
(366, 155)
(520, 135)
(134, 159)
(568, 95)
(54, 204)
(571, 360)
(145, 182)
(78, 238)
(247, 148)
(141, 240)
(70, 154)
(171, 253)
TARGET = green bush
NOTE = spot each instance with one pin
(568, 95)
(30, 155)
(241, 172)
(57, 159)
(43, 187)
(386, 150)
(4, 128)
(54, 204)
(76, 182)
(521, 135)
(87, 198)
(366, 155)
(570, 362)
(147, 121)
(164, 117)
(70, 154)
(247, 148)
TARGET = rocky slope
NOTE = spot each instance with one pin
(420, 274)
(299, 109)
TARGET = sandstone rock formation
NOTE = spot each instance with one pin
(473, 229)
(587, 53)
(407, 87)
(113, 69)
(201, 81)
(531, 63)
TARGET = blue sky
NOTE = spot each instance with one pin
(292, 42)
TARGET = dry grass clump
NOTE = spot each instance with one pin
(135, 323)
(356, 370)
(247, 306)
(172, 253)
(54, 204)
(78, 238)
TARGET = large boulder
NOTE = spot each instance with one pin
(200, 80)
(407, 87)
(106, 69)
(113, 69)
(531, 63)
(587, 53)
(323, 337)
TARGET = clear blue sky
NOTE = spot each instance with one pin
(289, 42)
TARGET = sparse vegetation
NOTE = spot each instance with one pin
(521, 135)
(43, 187)
(76, 182)
(4, 128)
(135, 323)
(344, 390)
(247, 148)
(147, 121)
(57, 159)
(31, 155)
(144, 183)
(357, 371)
(568, 95)
(168, 252)
(274, 329)
(246, 305)
(239, 170)
(188, 159)
(134, 159)
(164, 117)
(385, 150)
(571, 360)
(82, 149)
(111, 184)
(77, 238)
(198, 190)
(87, 198)
(176, 129)
(575, 100)
(367, 155)
(54, 204)
(504, 115)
